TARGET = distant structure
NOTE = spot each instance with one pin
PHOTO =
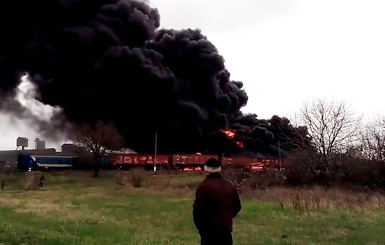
(10, 156)
(70, 150)
(21, 142)
(39, 144)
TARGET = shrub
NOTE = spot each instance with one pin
(236, 176)
(265, 179)
(137, 177)
(31, 181)
(134, 177)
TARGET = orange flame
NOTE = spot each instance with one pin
(240, 145)
(229, 133)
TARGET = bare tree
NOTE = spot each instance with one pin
(2, 181)
(333, 129)
(99, 140)
(372, 138)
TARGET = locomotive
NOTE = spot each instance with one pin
(123, 161)
(36, 162)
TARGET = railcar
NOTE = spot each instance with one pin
(36, 162)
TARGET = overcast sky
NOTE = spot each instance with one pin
(286, 52)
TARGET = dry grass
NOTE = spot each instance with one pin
(135, 178)
(161, 182)
(36, 202)
(122, 178)
(308, 199)
(8, 200)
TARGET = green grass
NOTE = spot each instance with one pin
(77, 209)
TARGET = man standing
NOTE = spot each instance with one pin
(216, 204)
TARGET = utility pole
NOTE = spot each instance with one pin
(156, 145)
(279, 154)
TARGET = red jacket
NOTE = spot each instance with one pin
(216, 204)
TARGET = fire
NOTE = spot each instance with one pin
(191, 169)
(240, 145)
(229, 133)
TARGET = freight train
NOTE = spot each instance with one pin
(179, 162)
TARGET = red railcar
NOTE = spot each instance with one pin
(190, 162)
(251, 163)
(138, 160)
(190, 159)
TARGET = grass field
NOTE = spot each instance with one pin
(77, 209)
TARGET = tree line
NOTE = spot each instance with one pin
(343, 149)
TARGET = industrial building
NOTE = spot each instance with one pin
(9, 157)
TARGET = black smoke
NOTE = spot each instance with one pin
(106, 60)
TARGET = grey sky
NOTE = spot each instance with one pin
(289, 52)
(285, 52)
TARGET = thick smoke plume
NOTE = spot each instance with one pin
(106, 60)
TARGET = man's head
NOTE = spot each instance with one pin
(212, 166)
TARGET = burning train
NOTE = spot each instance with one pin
(190, 162)
(178, 162)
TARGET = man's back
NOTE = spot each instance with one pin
(216, 204)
